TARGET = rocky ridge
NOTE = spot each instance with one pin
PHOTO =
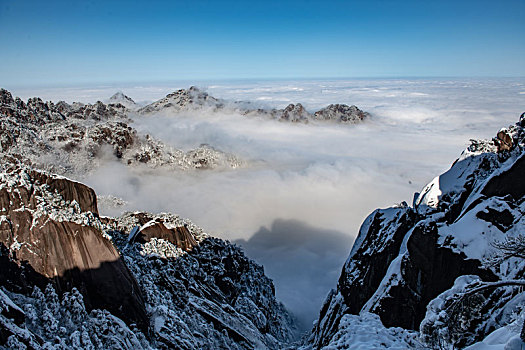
(406, 259)
(195, 100)
(74, 139)
(72, 279)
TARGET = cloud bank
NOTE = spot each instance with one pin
(324, 178)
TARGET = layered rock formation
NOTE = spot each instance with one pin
(50, 233)
(405, 257)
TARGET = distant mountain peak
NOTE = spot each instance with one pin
(124, 100)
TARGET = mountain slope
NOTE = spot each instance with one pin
(73, 279)
(73, 139)
(404, 257)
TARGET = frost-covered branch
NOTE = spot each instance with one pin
(510, 248)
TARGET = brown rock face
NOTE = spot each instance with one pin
(179, 236)
(504, 141)
(50, 233)
(69, 190)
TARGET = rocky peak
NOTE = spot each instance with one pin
(50, 233)
(5, 97)
(404, 258)
(125, 101)
(341, 113)
(294, 113)
(190, 99)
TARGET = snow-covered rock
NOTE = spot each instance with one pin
(182, 100)
(404, 257)
(195, 100)
(72, 279)
(341, 113)
(120, 98)
(72, 139)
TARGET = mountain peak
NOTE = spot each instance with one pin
(124, 100)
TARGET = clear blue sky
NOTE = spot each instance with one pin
(64, 42)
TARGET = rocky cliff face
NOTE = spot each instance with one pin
(405, 257)
(72, 279)
(50, 234)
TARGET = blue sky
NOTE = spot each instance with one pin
(75, 42)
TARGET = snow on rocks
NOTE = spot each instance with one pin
(195, 100)
(406, 257)
(73, 139)
(120, 98)
(75, 280)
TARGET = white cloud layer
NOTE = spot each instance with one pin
(326, 176)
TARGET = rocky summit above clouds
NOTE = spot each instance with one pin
(182, 99)
(72, 139)
(120, 98)
(193, 99)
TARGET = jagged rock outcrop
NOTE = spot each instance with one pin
(72, 139)
(194, 99)
(50, 233)
(341, 113)
(70, 278)
(405, 257)
(294, 113)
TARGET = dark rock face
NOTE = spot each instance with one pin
(375, 248)
(510, 182)
(370, 260)
(50, 234)
(404, 258)
(426, 271)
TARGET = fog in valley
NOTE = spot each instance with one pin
(297, 202)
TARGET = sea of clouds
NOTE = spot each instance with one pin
(298, 203)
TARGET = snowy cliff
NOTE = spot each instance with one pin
(405, 259)
(73, 279)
